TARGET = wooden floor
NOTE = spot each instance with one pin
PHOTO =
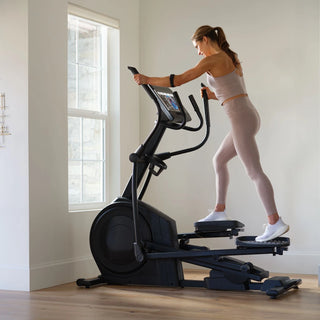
(121, 302)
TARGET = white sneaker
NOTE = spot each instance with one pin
(273, 231)
(215, 216)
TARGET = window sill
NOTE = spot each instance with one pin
(87, 208)
(96, 211)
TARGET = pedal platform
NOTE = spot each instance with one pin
(214, 229)
(218, 226)
(249, 242)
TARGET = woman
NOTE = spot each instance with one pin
(225, 79)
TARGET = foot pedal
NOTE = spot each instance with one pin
(249, 242)
(218, 226)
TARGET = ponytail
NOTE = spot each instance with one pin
(217, 35)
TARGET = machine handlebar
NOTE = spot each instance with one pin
(145, 87)
(133, 70)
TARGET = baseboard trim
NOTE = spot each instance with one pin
(62, 271)
(14, 278)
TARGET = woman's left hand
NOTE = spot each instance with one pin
(140, 79)
(210, 94)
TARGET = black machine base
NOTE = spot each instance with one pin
(88, 283)
(277, 285)
(226, 273)
(273, 287)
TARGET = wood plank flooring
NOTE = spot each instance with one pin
(136, 302)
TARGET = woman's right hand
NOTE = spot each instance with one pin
(141, 79)
(210, 94)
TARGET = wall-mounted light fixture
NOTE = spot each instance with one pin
(4, 131)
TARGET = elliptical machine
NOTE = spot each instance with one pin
(134, 243)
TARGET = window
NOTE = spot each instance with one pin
(88, 104)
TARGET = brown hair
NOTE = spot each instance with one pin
(217, 35)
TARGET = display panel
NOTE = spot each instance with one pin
(169, 100)
(169, 105)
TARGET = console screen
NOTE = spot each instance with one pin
(168, 100)
(169, 105)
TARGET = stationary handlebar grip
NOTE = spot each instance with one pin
(206, 105)
(133, 70)
(204, 93)
(194, 103)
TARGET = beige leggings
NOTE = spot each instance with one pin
(245, 123)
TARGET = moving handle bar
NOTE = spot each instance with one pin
(137, 245)
(145, 87)
(167, 155)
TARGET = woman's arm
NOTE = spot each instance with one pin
(203, 66)
(154, 81)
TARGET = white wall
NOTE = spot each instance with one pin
(33, 73)
(14, 201)
(278, 45)
(59, 240)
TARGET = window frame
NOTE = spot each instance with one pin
(89, 114)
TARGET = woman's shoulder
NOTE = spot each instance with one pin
(221, 64)
(212, 61)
